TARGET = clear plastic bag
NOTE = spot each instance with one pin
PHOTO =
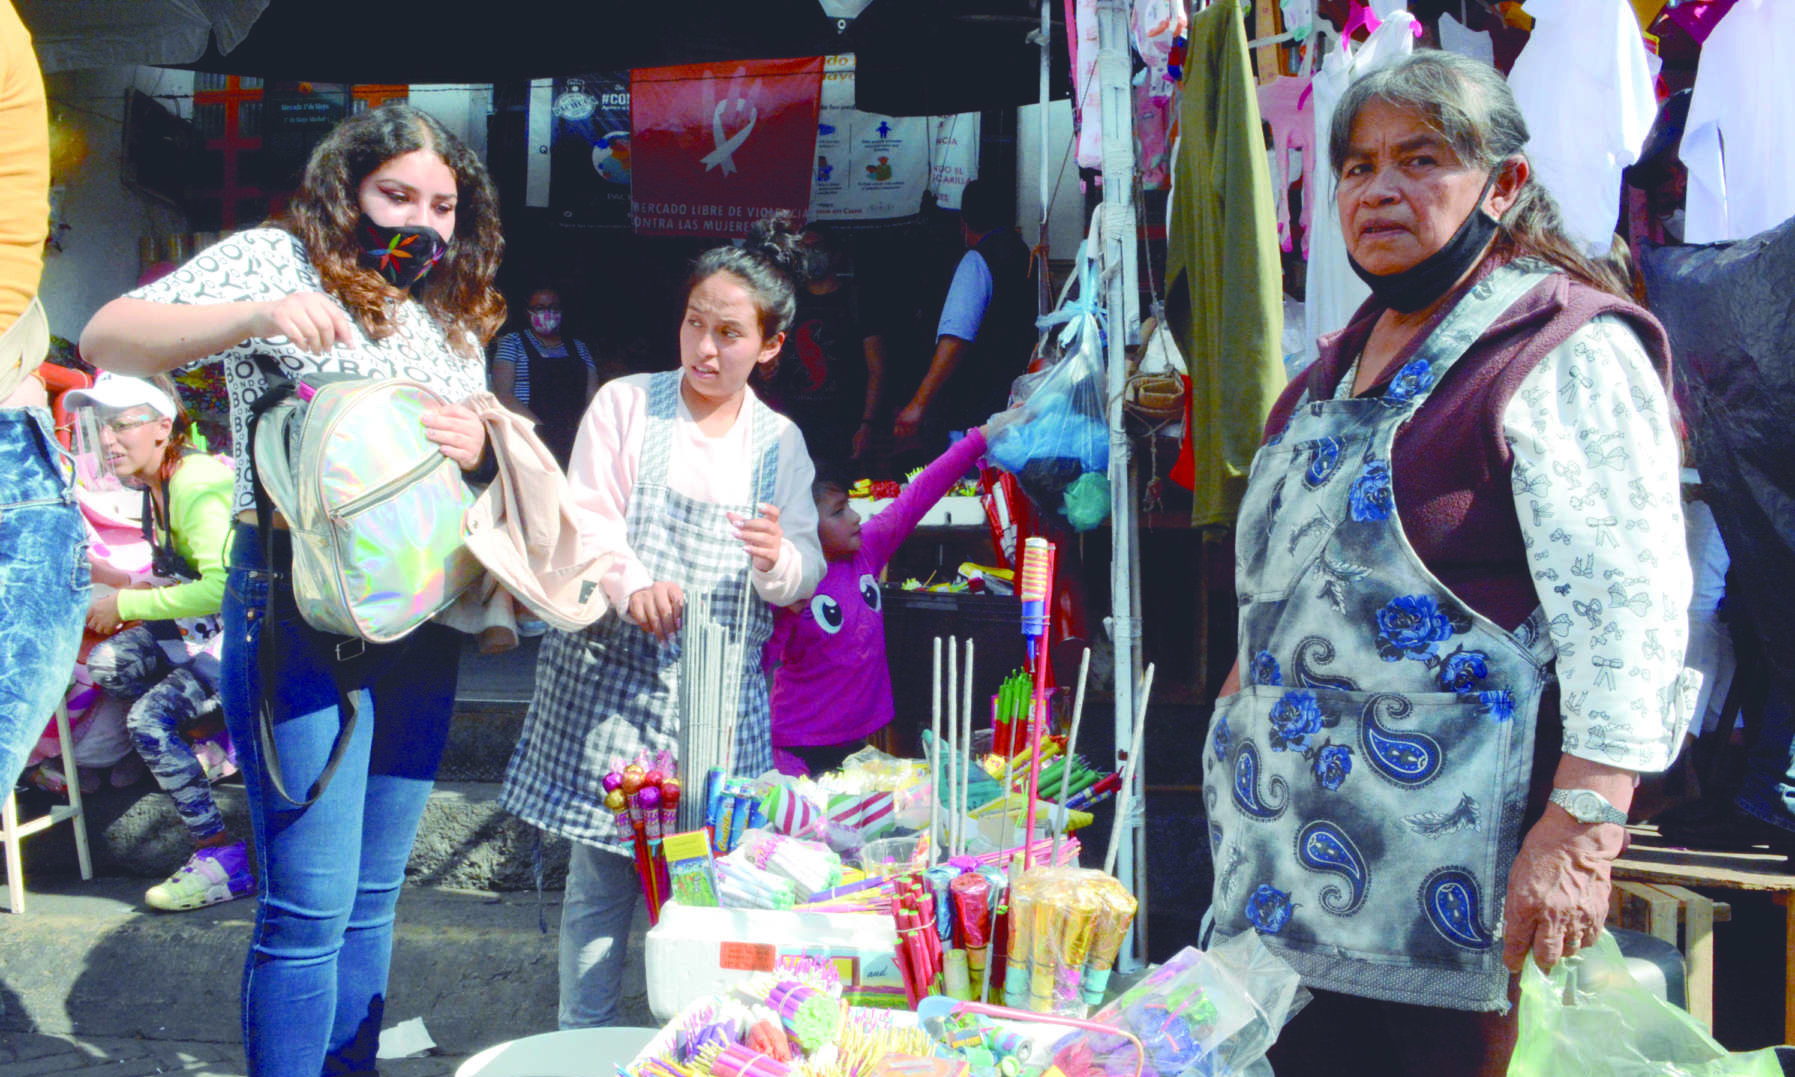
(1588, 1018)
(1058, 444)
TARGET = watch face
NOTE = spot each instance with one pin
(1586, 806)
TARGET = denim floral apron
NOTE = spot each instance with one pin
(611, 691)
(1365, 787)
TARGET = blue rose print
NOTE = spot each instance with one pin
(1294, 719)
(1497, 706)
(1463, 670)
(1269, 908)
(1223, 739)
(1324, 460)
(1265, 669)
(1410, 626)
(1331, 765)
(1370, 493)
(1411, 381)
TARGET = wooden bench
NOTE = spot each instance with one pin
(1659, 910)
(1654, 892)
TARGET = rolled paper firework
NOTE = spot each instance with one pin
(1078, 928)
(1043, 942)
(745, 805)
(619, 805)
(940, 881)
(971, 895)
(810, 1017)
(1016, 949)
(959, 980)
(736, 1060)
(725, 822)
(670, 791)
(1115, 913)
(649, 797)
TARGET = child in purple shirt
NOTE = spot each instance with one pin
(831, 687)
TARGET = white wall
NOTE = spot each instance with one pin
(99, 259)
(1065, 224)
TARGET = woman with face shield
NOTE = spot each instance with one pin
(166, 662)
(1462, 587)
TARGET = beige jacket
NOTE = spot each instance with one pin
(522, 528)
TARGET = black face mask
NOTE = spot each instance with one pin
(401, 255)
(1423, 283)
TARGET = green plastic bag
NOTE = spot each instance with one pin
(1588, 1018)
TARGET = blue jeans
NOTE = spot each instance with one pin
(596, 910)
(1768, 792)
(314, 985)
(44, 582)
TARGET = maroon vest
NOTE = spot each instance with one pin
(1450, 464)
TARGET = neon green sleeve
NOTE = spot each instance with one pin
(199, 510)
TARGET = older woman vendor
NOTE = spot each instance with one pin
(1462, 585)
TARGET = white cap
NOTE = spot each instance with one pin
(119, 392)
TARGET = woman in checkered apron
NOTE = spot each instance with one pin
(698, 488)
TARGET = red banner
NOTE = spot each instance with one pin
(717, 146)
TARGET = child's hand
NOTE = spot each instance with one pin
(657, 609)
(761, 536)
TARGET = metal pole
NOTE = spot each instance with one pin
(1115, 97)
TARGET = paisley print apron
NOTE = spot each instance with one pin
(1366, 785)
(611, 691)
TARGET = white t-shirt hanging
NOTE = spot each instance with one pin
(1584, 86)
(1334, 292)
(1744, 89)
(1456, 37)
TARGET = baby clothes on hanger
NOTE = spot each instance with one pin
(1742, 93)
(1288, 106)
(1333, 291)
(1585, 87)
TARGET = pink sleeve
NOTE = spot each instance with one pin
(884, 533)
(600, 475)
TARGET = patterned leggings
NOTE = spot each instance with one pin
(167, 697)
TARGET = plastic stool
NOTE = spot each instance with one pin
(13, 832)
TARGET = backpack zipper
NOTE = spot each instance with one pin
(386, 489)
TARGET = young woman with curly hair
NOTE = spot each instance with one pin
(382, 266)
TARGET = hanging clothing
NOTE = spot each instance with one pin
(1333, 292)
(1288, 105)
(1585, 88)
(1456, 37)
(1742, 93)
(1224, 280)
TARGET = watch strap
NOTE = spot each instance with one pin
(1587, 806)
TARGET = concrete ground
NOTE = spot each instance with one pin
(92, 982)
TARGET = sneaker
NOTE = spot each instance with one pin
(209, 877)
(531, 626)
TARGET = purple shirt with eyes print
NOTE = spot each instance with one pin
(827, 656)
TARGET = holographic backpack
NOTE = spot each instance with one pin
(375, 509)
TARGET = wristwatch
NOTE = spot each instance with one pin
(1587, 806)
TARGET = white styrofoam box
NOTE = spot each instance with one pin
(695, 952)
(948, 512)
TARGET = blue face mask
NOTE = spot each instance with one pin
(403, 254)
(1422, 284)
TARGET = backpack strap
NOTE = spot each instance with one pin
(281, 388)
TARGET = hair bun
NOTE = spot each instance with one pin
(778, 238)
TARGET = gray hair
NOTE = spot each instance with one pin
(1468, 103)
